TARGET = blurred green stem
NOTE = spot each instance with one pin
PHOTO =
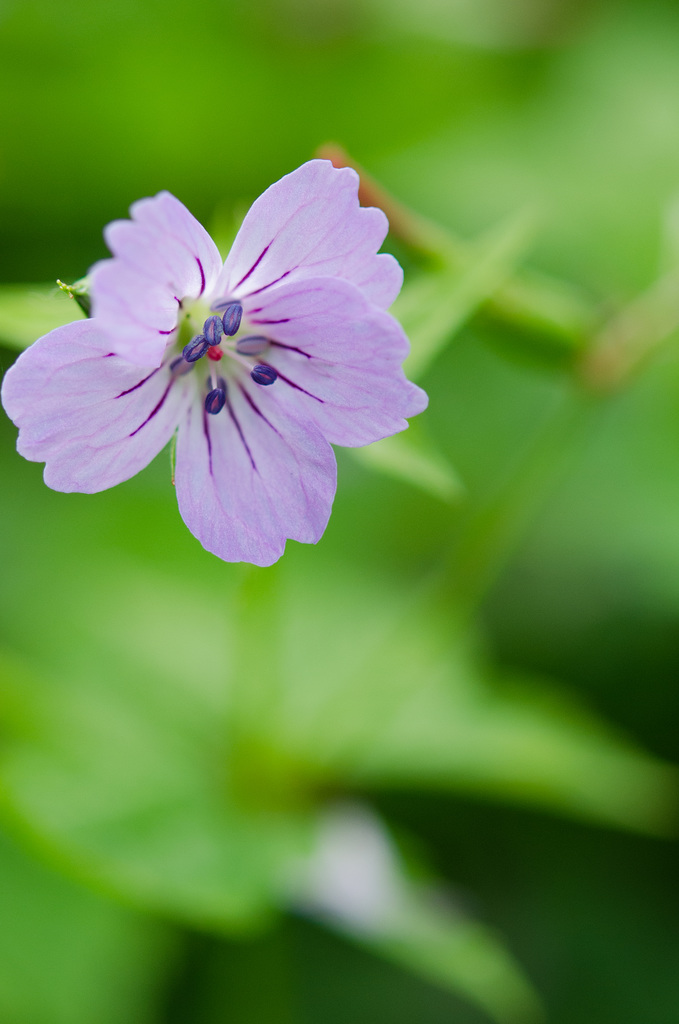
(601, 359)
(609, 363)
(427, 241)
(490, 536)
(530, 301)
(262, 775)
(629, 339)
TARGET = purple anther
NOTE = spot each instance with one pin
(196, 348)
(215, 399)
(252, 345)
(179, 366)
(213, 329)
(232, 318)
(263, 374)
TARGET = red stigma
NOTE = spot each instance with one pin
(214, 352)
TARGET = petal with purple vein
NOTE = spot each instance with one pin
(94, 419)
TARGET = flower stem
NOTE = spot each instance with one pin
(424, 238)
(629, 339)
(530, 301)
(601, 356)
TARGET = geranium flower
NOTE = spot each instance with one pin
(259, 364)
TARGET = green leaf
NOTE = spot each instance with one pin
(408, 703)
(412, 456)
(181, 769)
(434, 306)
(355, 880)
(450, 949)
(58, 945)
(29, 311)
(125, 774)
(554, 319)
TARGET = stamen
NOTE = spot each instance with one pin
(214, 402)
(179, 366)
(264, 375)
(213, 329)
(252, 345)
(232, 317)
(196, 348)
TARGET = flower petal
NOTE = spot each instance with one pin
(310, 224)
(338, 359)
(247, 480)
(161, 256)
(93, 418)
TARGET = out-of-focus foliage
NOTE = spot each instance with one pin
(27, 312)
(448, 731)
(69, 956)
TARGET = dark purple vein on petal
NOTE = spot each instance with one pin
(285, 320)
(153, 412)
(254, 266)
(169, 332)
(202, 277)
(297, 387)
(270, 284)
(291, 348)
(255, 408)
(206, 431)
(135, 386)
(240, 431)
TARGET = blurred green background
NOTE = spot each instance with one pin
(422, 771)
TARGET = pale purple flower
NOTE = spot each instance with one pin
(259, 364)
